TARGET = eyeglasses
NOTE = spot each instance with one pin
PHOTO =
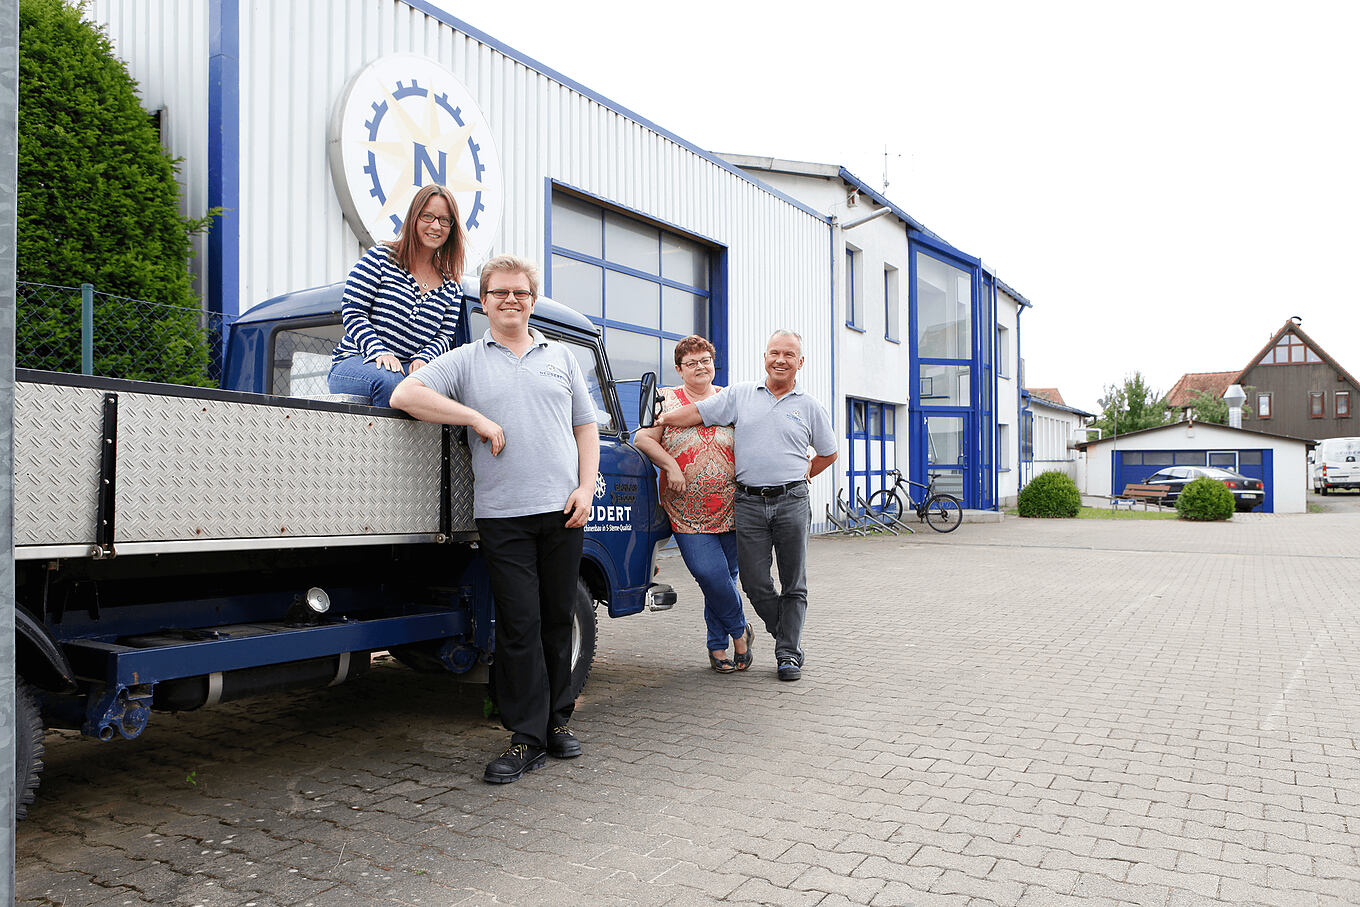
(520, 295)
(431, 218)
(705, 362)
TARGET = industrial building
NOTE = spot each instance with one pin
(311, 149)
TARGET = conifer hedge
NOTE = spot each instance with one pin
(98, 204)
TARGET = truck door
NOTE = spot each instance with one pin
(625, 520)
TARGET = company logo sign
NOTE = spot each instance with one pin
(401, 123)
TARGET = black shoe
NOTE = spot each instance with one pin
(789, 669)
(562, 743)
(513, 763)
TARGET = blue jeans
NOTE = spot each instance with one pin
(712, 558)
(778, 526)
(352, 375)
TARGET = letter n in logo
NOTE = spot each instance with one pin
(423, 164)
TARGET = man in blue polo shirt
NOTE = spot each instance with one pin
(776, 423)
(534, 460)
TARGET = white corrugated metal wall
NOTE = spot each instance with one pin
(294, 235)
(293, 231)
(165, 44)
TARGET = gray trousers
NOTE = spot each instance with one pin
(775, 530)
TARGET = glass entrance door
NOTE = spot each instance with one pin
(945, 438)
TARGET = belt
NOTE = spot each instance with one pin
(769, 491)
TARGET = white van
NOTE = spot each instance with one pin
(1335, 464)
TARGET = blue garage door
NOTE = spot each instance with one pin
(1133, 467)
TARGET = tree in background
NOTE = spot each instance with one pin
(1209, 407)
(1132, 406)
(98, 204)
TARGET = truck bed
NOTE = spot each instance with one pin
(105, 466)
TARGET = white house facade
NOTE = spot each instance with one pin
(928, 343)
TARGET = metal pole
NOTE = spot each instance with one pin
(86, 329)
(9, 170)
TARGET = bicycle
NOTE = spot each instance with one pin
(938, 510)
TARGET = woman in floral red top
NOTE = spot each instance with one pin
(697, 488)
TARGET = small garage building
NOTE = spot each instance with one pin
(1279, 461)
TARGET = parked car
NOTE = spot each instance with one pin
(1247, 493)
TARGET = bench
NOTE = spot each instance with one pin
(1146, 493)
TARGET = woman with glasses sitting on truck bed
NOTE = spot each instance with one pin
(401, 301)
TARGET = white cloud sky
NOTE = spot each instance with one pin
(1167, 182)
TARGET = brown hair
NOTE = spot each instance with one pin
(448, 258)
(510, 264)
(693, 344)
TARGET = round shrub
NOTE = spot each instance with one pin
(1205, 499)
(1050, 494)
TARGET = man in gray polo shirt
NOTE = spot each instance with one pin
(776, 423)
(534, 460)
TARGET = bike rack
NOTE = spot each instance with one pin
(869, 516)
(845, 519)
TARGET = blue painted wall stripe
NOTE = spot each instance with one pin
(224, 156)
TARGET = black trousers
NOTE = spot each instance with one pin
(533, 563)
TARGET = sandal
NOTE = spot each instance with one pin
(743, 659)
(721, 665)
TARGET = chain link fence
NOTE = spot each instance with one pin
(83, 331)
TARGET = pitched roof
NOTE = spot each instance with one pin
(1291, 327)
(1084, 445)
(1048, 393)
(1193, 383)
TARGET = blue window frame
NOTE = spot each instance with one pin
(853, 315)
(872, 433)
(892, 307)
(645, 286)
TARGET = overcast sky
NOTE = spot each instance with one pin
(1167, 182)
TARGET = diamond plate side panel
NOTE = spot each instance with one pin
(205, 469)
(56, 463)
(460, 488)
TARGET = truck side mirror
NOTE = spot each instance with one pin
(648, 401)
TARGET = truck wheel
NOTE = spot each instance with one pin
(28, 746)
(582, 638)
(1323, 489)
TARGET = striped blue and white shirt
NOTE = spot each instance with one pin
(384, 313)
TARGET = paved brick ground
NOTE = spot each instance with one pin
(1026, 713)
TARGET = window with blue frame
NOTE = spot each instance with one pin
(873, 446)
(854, 290)
(646, 287)
(892, 305)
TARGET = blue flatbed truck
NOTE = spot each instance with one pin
(178, 547)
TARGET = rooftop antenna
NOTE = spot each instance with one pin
(885, 167)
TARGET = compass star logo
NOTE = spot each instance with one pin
(403, 122)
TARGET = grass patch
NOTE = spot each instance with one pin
(1105, 513)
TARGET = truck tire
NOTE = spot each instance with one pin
(583, 635)
(28, 746)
